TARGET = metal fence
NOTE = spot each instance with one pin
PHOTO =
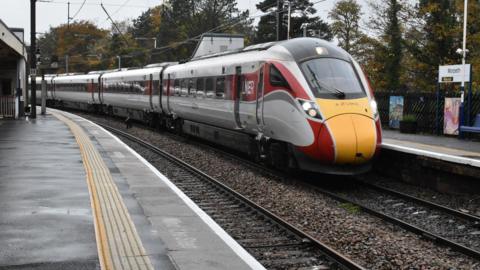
(7, 106)
(425, 107)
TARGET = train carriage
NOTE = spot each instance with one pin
(299, 103)
(302, 103)
(77, 91)
(132, 93)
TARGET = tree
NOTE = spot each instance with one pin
(433, 38)
(388, 53)
(302, 12)
(346, 17)
(393, 35)
(79, 42)
(177, 24)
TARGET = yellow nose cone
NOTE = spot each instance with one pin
(354, 138)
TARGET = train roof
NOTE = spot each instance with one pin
(84, 78)
(294, 50)
(299, 48)
(303, 49)
(132, 75)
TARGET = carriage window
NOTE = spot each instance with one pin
(209, 87)
(276, 78)
(220, 87)
(191, 86)
(155, 87)
(176, 87)
(183, 86)
(200, 86)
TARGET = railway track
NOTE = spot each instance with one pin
(454, 229)
(274, 242)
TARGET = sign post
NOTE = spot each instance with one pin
(458, 74)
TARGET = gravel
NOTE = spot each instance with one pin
(468, 203)
(367, 240)
(458, 230)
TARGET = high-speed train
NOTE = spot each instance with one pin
(302, 103)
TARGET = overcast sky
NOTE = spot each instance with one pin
(16, 13)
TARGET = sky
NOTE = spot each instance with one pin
(16, 13)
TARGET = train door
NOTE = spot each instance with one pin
(239, 84)
(91, 89)
(150, 90)
(168, 93)
(99, 89)
(160, 92)
(260, 92)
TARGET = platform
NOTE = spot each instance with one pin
(437, 147)
(72, 196)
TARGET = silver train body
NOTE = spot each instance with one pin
(302, 103)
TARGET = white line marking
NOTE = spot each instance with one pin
(445, 157)
(239, 250)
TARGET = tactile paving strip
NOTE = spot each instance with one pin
(119, 246)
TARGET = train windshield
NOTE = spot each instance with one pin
(331, 77)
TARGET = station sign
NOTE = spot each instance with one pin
(453, 73)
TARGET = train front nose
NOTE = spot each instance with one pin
(353, 137)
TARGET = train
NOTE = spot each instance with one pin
(300, 104)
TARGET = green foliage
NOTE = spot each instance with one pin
(351, 208)
(302, 11)
(402, 51)
(79, 41)
(409, 118)
(346, 17)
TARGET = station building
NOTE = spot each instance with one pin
(13, 78)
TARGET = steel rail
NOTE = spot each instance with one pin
(407, 197)
(407, 226)
(412, 228)
(325, 249)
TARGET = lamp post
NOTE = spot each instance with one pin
(464, 55)
(119, 62)
(33, 59)
(288, 21)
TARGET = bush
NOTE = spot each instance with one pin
(409, 118)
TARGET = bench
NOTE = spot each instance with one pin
(475, 128)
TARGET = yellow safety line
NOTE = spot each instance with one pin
(118, 243)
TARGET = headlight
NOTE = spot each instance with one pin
(374, 106)
(310, 108)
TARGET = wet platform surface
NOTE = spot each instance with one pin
(447, 148)
(46, 216)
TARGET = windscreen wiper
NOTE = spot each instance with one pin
(337, 92)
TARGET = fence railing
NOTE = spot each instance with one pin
(7, 106)
(425, 107)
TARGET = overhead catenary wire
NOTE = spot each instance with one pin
(160, 50)
(78, 11)
(120, 8)
(115, 25)
(92, 4)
